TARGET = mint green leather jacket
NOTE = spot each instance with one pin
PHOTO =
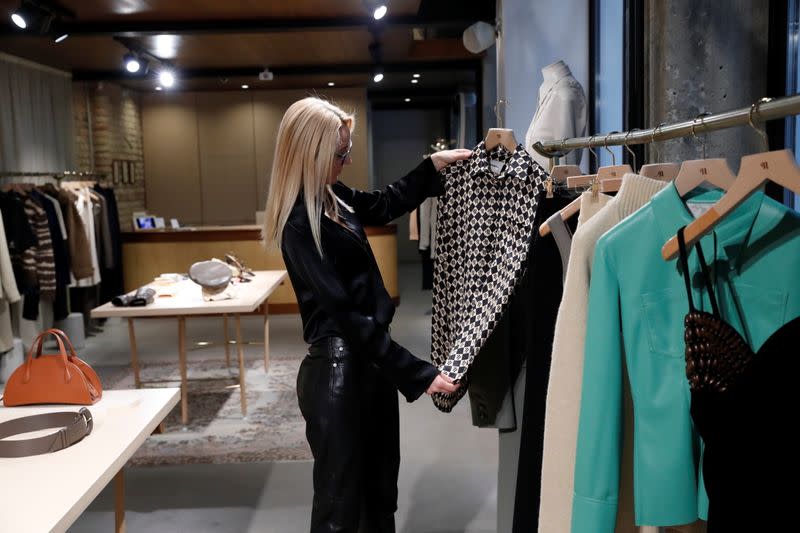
(637, 303)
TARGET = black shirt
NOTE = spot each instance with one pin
(342, 294)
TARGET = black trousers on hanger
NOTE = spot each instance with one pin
(353, 428)
(533, 313)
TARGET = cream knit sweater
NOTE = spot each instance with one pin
(566, 372)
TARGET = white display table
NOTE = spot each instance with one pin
(185, 299)
(48, 492)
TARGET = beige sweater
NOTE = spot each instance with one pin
(566, 372)
(9, 293)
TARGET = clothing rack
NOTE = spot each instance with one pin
(759, 112)
(56, 175)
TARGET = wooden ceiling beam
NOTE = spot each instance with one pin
(294, 70)
(123, 28)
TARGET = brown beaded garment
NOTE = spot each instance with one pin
(716, 354)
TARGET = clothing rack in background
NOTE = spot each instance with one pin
(761, 111)
(56, 175)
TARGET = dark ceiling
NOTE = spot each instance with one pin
(216, 45)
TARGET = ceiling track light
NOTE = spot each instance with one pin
(379, 12)
(167, 77)
(132, 63)
(38, 16)
(27, 16)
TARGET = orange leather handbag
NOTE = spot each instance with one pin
(60, 378)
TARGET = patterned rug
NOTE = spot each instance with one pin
(274, 429)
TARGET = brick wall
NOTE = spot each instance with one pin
(116, 134)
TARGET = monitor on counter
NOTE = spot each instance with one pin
(141, 222)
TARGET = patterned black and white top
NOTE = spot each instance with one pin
(484, 230)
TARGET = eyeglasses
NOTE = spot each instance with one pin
(343, 157)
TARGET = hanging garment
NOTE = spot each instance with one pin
(531, 317)
(60, 252)
(566, 370)
(738, 398)
(484, 230)
(563, 238)
(42, 256)
(20, 239)
(57, 239)
(636, 311)
(85, 208)
(561, 113)
(428, 216)
(518, 337)
(413, 226)
(9, 293)
(112, 273)
(80, 254)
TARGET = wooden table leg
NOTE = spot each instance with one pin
(266, 337)
(227, 342)
(240, 349)
(119, 501)
(134, 354)
(182, 364)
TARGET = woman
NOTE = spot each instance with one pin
(347, 383)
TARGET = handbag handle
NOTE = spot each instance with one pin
(58, 333)
(38, 345)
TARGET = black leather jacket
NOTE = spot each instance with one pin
(342, 294)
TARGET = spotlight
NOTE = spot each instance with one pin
(408, 99)
(377, 74)
(415, 81)
(167, 78)
(26, 16)
(416, 75)
(34, 17)
(62, 37)
(331, 84)
(132, 63)
(19, 19)
(245, 86)
(379, 12)
(159, 88)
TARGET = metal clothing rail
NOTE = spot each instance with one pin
(759, 112)
(56, 175)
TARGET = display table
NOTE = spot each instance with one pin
(148, 254)
(48, 492)
(185, 299)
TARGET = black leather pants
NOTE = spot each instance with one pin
(352, 426)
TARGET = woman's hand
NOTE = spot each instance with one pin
(442, 383)
(445, 157)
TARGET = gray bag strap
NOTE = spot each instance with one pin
(72, 427)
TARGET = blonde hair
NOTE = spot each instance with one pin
(304, 159)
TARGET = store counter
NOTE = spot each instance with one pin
(150, 253)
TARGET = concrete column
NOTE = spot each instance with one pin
(705, 55)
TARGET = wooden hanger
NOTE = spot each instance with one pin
(612, 171)
(778, 166)
(698, 171)
(498, 136)
(660, 171)
(579, 181)
(560, 173)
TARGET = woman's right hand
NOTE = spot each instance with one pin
(444, 384)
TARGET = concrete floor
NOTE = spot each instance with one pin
(448, 474)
